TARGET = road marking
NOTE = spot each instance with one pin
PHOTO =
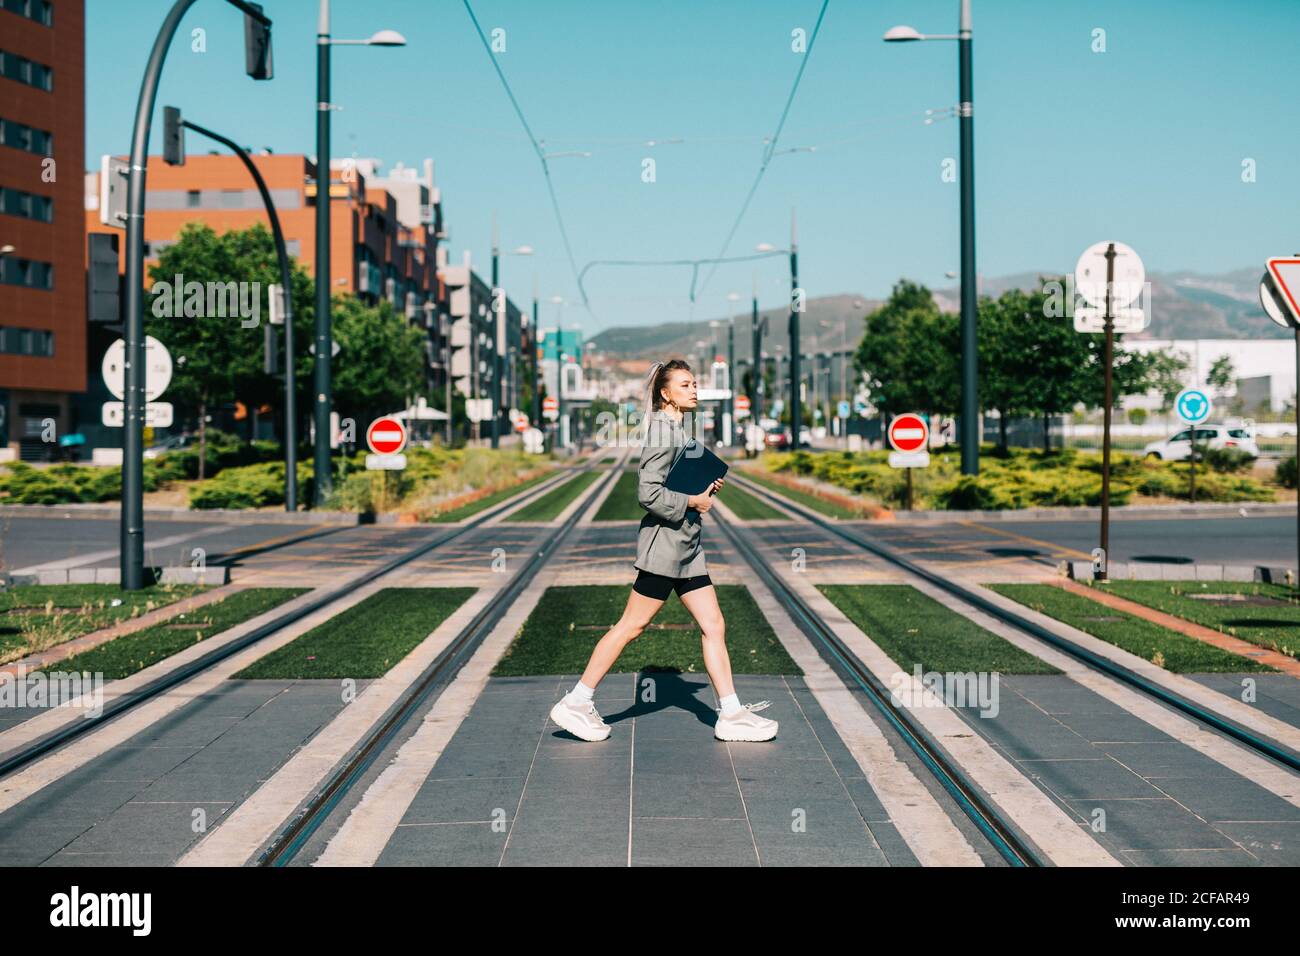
(1054, 548)
(114, 552)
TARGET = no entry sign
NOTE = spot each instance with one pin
(909, 433)
(386, 436)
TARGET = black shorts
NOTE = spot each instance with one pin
(658, 586)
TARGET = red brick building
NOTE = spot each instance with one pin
(42, 226)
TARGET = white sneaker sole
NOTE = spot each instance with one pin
(566, 720)
(743, 733)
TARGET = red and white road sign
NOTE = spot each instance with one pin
(742, 403)
(909, 433)
(386, 436)
(1285, 271)
(521, 424)
(550, 404)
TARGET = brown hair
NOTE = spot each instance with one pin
(659, 381)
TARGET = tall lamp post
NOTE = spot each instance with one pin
(969, 358)
(323, 387)
(796, 413)
(257, 63)
(500, 337)
(286, 300)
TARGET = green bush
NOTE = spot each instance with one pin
(1020, 478)
(252, 486)
(1226, 460)
(1286, 472)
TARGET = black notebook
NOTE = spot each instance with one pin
(695, 469)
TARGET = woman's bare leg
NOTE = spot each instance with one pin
(639, 612)
(703, 605)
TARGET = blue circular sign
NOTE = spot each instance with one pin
(1193, 405)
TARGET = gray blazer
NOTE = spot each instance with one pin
(668, 541)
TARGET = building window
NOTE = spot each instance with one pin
(39, 10)
(26, 137)
(193, 198)
(25, 272)
(15, 341)
(23, 70)
(15, 202)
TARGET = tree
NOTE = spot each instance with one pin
(380, 366)
(1222, 377)
(217, 354)
(908, 353)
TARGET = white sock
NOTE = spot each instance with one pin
(730, 704)
(581, 693)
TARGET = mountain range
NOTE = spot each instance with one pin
(1185, 305)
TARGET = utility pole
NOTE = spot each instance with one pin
(536, 346)
(796, 413)
(497, 328)
(324, 402)
(970, 423)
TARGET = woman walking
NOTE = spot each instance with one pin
(669, 558)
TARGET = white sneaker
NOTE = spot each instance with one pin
(583, 720)
(744, 724)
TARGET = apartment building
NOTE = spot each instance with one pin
(42, 233)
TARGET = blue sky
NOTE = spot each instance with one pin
(1143, 143)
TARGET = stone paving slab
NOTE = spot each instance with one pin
(660, 791)
(136, 805)
(1277, 695)
(1165, 803)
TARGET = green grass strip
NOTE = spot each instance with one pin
(1274, 626)
(567, 623)
(622, 504)
(549, 505)
(747, 507)
(365, 640)
(806, 498)
(37, 616)
(487, 501)
(1175, 652)
(124, 656)
(915, 629)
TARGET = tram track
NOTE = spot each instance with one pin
(75, 729)
(285, 846)
(972, 597)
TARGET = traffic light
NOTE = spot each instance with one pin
(257, 46)
(173, 137)
(103, 283)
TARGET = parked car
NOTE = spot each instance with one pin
(1178, 447)
(170, 444)
(777, 438)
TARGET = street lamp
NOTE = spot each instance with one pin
(796, 413)
(969, 359)
(257, 64)
(324, 402)
(500, 338)
(285, 299)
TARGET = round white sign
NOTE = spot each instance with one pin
(1269, 299)
(534, 441)
(157, 368)
(1090, 275)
